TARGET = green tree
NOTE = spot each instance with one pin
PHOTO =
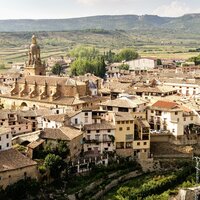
(56, 69)
(127, 54)
(124, 67)
(55, 165)
(159, 62)
(95, 66)
(62, 149)
(84, 52)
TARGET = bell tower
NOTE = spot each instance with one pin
(34, 66)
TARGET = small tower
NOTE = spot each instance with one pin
(34, 66)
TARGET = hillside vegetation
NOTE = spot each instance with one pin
(187, 23)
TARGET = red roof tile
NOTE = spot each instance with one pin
(165, 104)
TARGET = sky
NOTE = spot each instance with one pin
(54, 9)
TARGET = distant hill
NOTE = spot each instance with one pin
(187, 23)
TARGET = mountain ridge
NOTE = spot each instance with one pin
(187, 22)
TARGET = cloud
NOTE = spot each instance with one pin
(174, 9)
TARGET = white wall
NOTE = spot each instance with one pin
(5, 141)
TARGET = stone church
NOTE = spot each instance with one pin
(34, 66)
(34, 88)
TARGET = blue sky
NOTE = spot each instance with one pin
(37, 9)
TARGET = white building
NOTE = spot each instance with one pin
(125, 104)
(73, 118)
(170, 117)
(5, 138)
(142, 65)
(185, 89)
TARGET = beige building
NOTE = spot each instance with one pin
(34, 66)
(69, 134)
(132, 136)
(14, 166)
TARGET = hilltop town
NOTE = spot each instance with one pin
(136, 117)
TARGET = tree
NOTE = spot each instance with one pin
(196, 60)
(127, 54)
(84, 52)
(159, 62)
(55, 164)
(56, 69)
(124, 67)
(95, 66)
(62, 149)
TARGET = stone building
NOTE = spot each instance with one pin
(34, 66)
(14, 166)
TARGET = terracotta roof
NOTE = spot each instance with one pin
(99, 126)
(125, 102)
(123, 116)
(57, 117)
(165, 104)
(35, 144)
(63, 133)
(12, 159)
(50, 80)
(143, 123)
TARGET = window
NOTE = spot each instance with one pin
(7, 136)
(129, 137)
(131, 122)
(191, 118)
(145, 143)
(176, 113)
(108, 144)
(184, 118)
(86, 114)
(0, 147)
(88, 137)
(76, 121)
(138, 143)
(104, 137)
(109, 131)
(97, 131)
(177, 119)
(0, 138)
(127, 122)
(152, 111)
(118, 122)
(96, 137)
(120, 128)
(173, 130)
(122, 122)
(19, 129)
(88, 131)
(128, 128)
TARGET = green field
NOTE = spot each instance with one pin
(14, 46)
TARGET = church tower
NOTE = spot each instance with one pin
(34, 66)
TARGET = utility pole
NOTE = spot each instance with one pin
(197, 160)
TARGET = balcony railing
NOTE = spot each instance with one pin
(97, 141)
